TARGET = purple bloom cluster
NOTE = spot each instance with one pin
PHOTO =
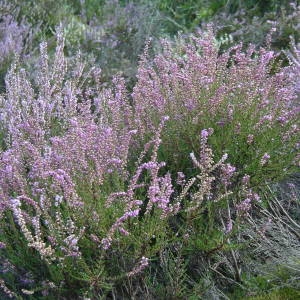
(12, 37)
(227, 171)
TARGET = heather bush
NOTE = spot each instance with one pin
(159, 193)
(271, 258)
(15, 39)
(250, 27)
(79, 210)
(243, 97)
(116, 37)
(57, 156)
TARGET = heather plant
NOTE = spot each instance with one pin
(243, 97)
(78, 211)
(15, 39)
(294, 57)
(107, 194)
(116, 37)
(58, 148)
(251, 27)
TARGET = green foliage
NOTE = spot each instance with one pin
(280, 294)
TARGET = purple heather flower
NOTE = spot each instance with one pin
(204, 133)
(265, 159)
(123, 231)
(131, 214)
(229, 227)
(244, 206)
(15, 202)
(246, 179)
(250, 139)
(106, 243)
(227, 172)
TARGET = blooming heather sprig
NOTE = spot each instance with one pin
(118, 225)
(227, 171)
(160, 188)
(249, 197)
(264, 160)
(246, 180)
(244, 206)
(62, 182)
(206, 166)
(34, 241)
(159, 193)
(206, 155)
(70, 247)
(128, 196)
(143, 263)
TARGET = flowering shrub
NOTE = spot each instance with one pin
(14, 39)
(251, 26)
(99, 188)
(294, 57)
(115, 36)
(250, 108)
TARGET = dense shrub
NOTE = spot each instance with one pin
(159, 193)
(248, 26)
(242, 97)
(15, 39)
(117, 37)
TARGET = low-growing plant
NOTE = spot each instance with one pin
(117, 36)
(107, 194)
(271, 257)
(243, 97)
(15, 39)
(251, 27)
(76, 212)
